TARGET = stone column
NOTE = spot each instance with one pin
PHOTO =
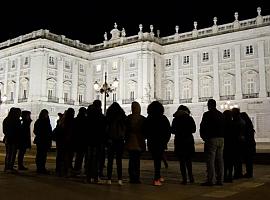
(121, 87)
(176, 79)
(74, 95)
(6, 78)
(195, 83)
(238, 75)
(60, 79)
(150, 64)
(216, 94)
(262, 92)
(35, 81)
(89, 83)
(17, 90)
(140, 78)
(44, 69)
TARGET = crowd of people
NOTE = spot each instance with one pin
(84, 142)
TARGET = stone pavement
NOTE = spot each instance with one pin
(28, 185)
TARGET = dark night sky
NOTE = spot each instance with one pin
(87, 20)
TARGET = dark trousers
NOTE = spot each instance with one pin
(134, 166)
(80, 154)
(102, 158)
(41, 157)
(11, 151)
(157, 157)
(186, 166)
(229, 160)
(116, 148)
(92, 163)
(21, 154)
(248, 160)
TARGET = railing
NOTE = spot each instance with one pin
(69, 101)
(53, 99)
(127, 101)
(166, 102)
(22, 100)
(251, 95)
(203, 99)
(227, 97)
(185, 100)
(84, 103)
(10, 101)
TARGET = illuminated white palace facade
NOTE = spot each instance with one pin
(229, 62)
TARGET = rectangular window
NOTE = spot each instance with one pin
(132, 63)
(250, 86)
(186, 60)
(51, 60)
(227, 87)
(114, 97)
(80, 98)
(81, 69)
(26, 61)
(226, 53)
(24, 94)
(50, 94)
(168, 62)
(186, 92)
(249, 50)
(13, 64)
(67, 65)
(65, 96)
(205, 56)
(132, 95)
(11, 96)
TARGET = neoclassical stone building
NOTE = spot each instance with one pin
(229, 62)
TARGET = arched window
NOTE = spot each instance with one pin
(24, 89)
(228, 85)
(206, 86)
(250, 82)
(67, 91)
(51, 88)
(168, 90)
(11, 90)
(186, 89)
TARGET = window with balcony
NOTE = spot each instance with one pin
(114, 97)
(251, 86)
(227, 87)
(132, 95)
(50, 94)
(80, 98)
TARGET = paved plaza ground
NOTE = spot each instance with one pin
(28, 185)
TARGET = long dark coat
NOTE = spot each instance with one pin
(183, 126)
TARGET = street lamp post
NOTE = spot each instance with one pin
(106, 89)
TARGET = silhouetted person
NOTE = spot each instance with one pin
(238, 131)
(24, 138)
(230, 141)
(157, 134)
(11, 130)
(116, 130)
(57, 136)
(79, 139)
(135, 141)
(96, 124)
(65, 143)
(183, 126)
(212, 133)
(43, 140)
(249, 145)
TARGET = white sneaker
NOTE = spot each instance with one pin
(120, 182)
(109, 182)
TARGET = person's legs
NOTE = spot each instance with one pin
(20, 159)
(219, 161)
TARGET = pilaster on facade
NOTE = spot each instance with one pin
(150, 65)
(17, 79)
(195, 97)
(262, 74)
(216, 94)
(140, 77)
(89, 97)
(6, 78)
(44, 69)
(238, 74)
(121, 79)
(60, 79)
(35, 76)
(75, 70)
(176, 63)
